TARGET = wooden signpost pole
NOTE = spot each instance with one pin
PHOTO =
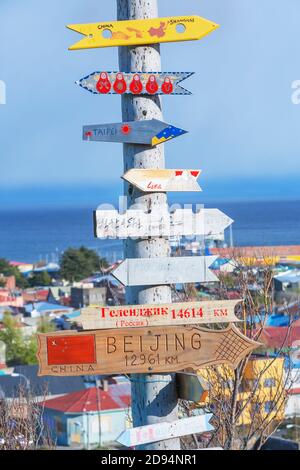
(154, 397)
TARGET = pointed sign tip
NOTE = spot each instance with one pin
(123, 439)
(177, 78)
(120, 272)
(74, 27)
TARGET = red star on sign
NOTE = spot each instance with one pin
(126, 129)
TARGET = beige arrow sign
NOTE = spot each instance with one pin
(159, 223)
(163, 180)
(140, 350)
(185, 313)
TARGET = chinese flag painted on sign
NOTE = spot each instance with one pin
(71, 349)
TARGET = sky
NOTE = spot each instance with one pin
(243, 127)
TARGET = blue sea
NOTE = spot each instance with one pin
(43, 234)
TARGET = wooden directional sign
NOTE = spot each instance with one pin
(160, 271)
(164, 430)
(191, 387)
(149, 180)
(140, 32)
(140, 350)
(138, 223)
(135, 83)
(185, 313)
(152, 132)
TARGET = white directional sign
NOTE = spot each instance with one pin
(149, 180)
(156, 271)
(162, 223)
(149, 132)
(162, 431)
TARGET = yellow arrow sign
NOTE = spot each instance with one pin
(139, 32)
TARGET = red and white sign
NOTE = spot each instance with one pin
(161, 431)
(185, 313)
(149, 180)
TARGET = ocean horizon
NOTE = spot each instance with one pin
(31, 235)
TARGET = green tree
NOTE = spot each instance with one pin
(7, 270)
(19, 349)
(29, 351)
(12, 336)
(31, 345)
(40, 279)
(76, 264)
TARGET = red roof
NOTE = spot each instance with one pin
(232, 295)
(294, 391)
(279, 336)
(87, 400)
(36, 295)
(18, 263)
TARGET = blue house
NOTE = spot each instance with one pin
(39, 309)
(89, 418)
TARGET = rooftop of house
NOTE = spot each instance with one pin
(294, 391)
(50, 268)
(280, 337)
(101, 278)
(276, 319)
(51, 385)
(90, 400)
(10, 386)
(292, 276)
(47, 307)
(35, 295)
(18, 263)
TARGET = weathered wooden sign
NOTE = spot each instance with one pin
(191, 387)
(160, 271)
(152, 132)
(140, 32)
(140, 350)
(149, 180)
(135, 83)
(138, 223)
(185, 313)
(161, 431)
